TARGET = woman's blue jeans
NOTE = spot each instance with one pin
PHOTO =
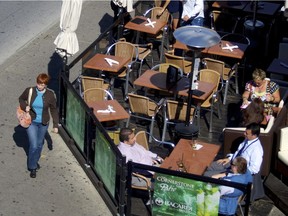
(36, 134)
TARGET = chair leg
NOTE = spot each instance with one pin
(164, 130)
(211, 118)
(241, 210)
(140, 68)
(145, 61)
(128, 122)
(111, 84)
(219, 111)
(127, 83)
(236, 83)
(151, 129)
(226, 92)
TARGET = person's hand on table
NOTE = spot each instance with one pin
(223, 161)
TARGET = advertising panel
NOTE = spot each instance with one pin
(105, 162)
(75, 119)
(181, 196)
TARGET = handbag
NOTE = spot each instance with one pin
(24, 117)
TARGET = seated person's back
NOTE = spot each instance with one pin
(229, 195)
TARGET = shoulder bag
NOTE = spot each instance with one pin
(24, 117)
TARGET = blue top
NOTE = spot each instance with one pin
(228, 202)
(38, 106)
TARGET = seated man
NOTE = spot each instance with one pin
(193, 13)
(229, 195)
(137, 153)
(251, 149)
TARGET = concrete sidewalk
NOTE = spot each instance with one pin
(61, 186)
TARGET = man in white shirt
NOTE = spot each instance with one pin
(135, 152)
(251, 149)
(132, 150)
(193, 13)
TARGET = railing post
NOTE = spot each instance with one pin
(122, 190)
(129, 189)
(121, 24)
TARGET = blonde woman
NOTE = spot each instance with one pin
(261, 87)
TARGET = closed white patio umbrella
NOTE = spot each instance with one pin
(69, 19)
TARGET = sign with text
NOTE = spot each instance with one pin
(181, 196)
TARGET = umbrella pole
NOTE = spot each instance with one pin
(65, 66)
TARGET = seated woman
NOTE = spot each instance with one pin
(254, 113)
(263, 88)
(229, 195)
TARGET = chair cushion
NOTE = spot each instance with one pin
(241, 129)
(283, 140)
(270, 124)
(266, 130)
(143, 52)
(283, 156)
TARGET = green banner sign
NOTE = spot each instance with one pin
(181, 196)
(105, 162)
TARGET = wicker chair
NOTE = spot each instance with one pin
(152, 13)
(163, 67)
(144, 108)
(211, 76)
(175, 111)
(92, 82)
(238, 38)
(143, 51)
(222, 21)
(185, 65)
(226, 72)
(141, 139)
(96, 94)
(123, 49)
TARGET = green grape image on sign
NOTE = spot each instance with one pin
(181, 196)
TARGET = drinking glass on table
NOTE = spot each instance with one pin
(194, 143)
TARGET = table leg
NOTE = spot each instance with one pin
(137, 37)
(127, 83)
(112, 80)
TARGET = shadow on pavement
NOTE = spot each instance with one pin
(21, 139)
